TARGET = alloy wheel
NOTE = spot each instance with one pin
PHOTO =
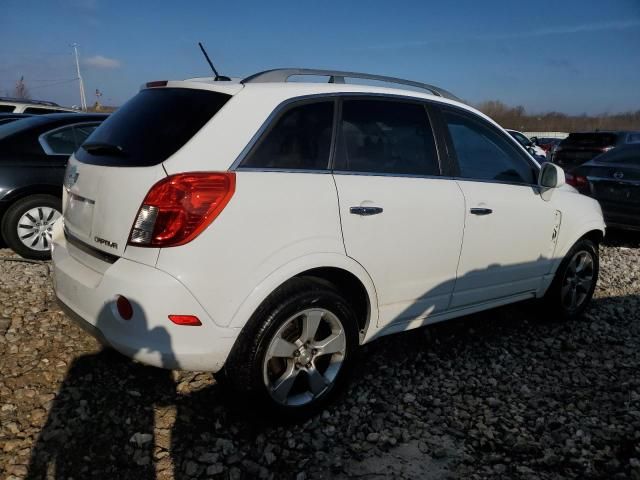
(304, 357)
(578, 280)
(35, 227)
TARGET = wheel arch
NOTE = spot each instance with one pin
(593, 231)
(344, 273)
(22, 192)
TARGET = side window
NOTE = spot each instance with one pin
(299, 140)
(7, 108)
(60, 141)
(483, 154)
(82, 132)
(381, 136)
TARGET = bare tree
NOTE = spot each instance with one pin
(518, 119)
(21, 90)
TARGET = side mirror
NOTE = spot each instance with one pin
(551, 176)
(534, 140)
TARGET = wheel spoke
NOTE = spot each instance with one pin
(282, 386)
(585, 283)
(281, 348)
(317, 381)
(583, 262)
(30, 234)
(334, 343)
(30, 217)
(572, 298)
(310, 323)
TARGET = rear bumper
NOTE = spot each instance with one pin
(88, 296)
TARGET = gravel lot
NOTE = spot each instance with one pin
(499, 394)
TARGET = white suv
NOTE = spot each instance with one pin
(270, 227)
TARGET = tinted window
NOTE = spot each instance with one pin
(61, 141)
(634, 138)
(381, 136)
(484, 154)
(152, 126)
(6, 108)
(300, 139)
(81, 132)
(594, 139)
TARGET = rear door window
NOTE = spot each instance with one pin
(386, 137)
(60, 142)
(299, 140)
(483, 153)
(151, 127)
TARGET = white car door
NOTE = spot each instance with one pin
(510, 230)
(401, 220)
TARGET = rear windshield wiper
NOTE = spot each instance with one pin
(98, 148)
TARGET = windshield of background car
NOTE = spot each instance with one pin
(594, 139)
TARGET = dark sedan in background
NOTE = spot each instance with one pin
(613, 179)
(33, 157)
(581, 147)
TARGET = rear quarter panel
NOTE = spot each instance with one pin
(273, 219)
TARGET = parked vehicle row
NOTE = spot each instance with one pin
(34, 107)
(33, 156)
(530, 145)
(613, 179)
(265, 229)
(581, 147)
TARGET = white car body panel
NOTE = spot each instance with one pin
(508, 251)
(272, 219)
(411, 278)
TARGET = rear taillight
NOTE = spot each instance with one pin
(578, 181)
(178, 208)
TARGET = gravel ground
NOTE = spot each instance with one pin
(499, 394)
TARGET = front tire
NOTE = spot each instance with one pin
(575, 281)
(27, 224)
(296, 351)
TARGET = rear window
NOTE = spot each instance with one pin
(590, 140)
(151, 126)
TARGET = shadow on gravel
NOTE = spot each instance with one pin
(101, 423)
(505, 385)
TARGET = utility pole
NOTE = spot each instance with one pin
(83, 99)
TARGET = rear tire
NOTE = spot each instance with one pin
(26, 225)
(296, 351)
(575, 281)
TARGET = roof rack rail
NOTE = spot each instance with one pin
(335, 76)
(26, 100)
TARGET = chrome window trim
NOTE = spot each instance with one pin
(45, 146)
(237, 164)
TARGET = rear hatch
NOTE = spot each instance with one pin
(108, 178)
(579, 148)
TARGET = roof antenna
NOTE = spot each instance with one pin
(217, 77)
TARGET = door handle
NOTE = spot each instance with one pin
(481, 211)
(365, 211)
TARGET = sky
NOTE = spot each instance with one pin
(571, 56)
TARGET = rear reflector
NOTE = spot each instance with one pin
(125, 309)
(178, 208)
(187, 320)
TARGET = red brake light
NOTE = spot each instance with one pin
(188, 320)
(178, 208)
(577, 181)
